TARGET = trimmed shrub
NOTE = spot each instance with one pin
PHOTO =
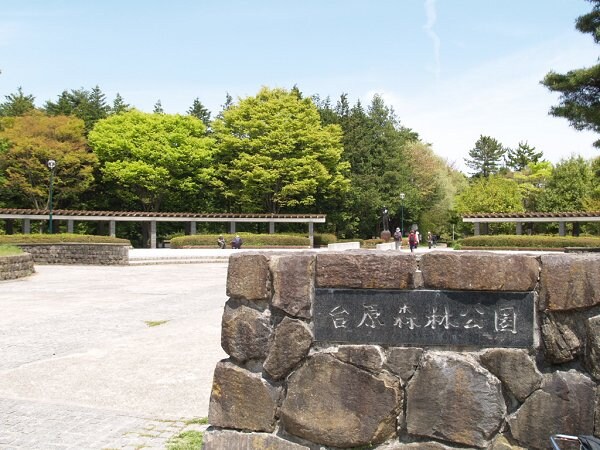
(322, 239)
(59, 239)
(249, 240)
(526, 241)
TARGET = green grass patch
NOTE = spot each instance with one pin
(60, 238)
(155, 323)
(10, 250)
(188, 440)
(198, 421)
(529, 242)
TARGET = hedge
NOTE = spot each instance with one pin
(249, 240)
(60, 238)
(531, 242)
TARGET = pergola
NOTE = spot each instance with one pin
(481, 220)
(151, 218)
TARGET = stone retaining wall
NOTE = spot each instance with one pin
(17, 266)
(281, 389)
(78, 253)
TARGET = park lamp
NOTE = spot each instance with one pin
(402, 195)
(51, 165)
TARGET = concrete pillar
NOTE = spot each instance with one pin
(153, 234)
(476, 229)
(69, 226)
(311, 234)
(271, 227)
(192, 228)
(112, 228)
(26, 226)
(231, 227)
(519, 228)
(561, 228)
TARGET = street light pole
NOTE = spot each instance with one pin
(402, 195)
(51, 166)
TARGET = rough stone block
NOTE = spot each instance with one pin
(515, 369)
(291, 343)
(453, 398)
(403, 361)
(365, 269)
(242, 400)
(569, 281)
(245, 331)
(293, 284)
(248, 277)
(369, 357)
(479, 271)
(227, 439)
(564, 404)
(592, 348)
(561, 343)
(337, 404)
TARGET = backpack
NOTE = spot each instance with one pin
(397, 236)
(412, 239)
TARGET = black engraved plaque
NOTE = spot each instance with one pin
(424, 317)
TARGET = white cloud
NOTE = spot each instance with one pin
(503, 99)
(428, 27)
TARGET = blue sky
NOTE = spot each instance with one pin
(452, 69)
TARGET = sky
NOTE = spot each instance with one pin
(453, 70)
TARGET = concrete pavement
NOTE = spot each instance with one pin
(80, 367)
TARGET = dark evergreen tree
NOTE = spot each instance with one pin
(200, 111)
(119, 105)
(17, 104)
(485, 157)
(158, 109)
(89, 106)
(579, 101)
(519, 158)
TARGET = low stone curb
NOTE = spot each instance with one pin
(17, 266)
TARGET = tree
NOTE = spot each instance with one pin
(153, 160)
(494, 194)
(29, 142)
(119, 105)
(158, 109)
(569, 186)
(273, 154)
(17, 104)
(89, 106)
(532, 180)
(518, 159)
(579, 101)
(485, 156)
(200, 111)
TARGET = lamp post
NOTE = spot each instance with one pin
(51, 165)
(402, 195)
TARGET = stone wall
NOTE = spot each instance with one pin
(283, 389)
(17, 266)
(78, 253)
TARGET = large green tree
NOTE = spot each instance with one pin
(520, 157)
(27, 143)
(155, 161)
(569, 186)
(274, 155)
(579, 101)
(485, 158)
(17, 104)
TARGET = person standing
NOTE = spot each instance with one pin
(429, 239)
(412, 241)
(398, 238)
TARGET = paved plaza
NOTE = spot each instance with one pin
(111, 357)
(81, 367)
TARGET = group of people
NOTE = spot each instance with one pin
(414, 238)
(236, 242)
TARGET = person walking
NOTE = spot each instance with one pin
(429, 239)
(398, 239)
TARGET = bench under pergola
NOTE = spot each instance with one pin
(151, 218)
(481, 220)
